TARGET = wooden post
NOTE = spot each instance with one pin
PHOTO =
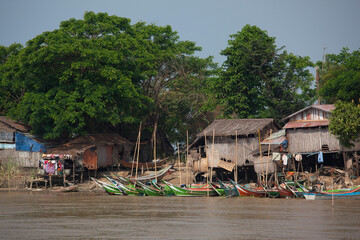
(155, 128)
(138, 153)
(50, 180)
(262, 170)
(179, 162)
(135, 151)
(187, 158)
(74, 170)
(236, 158)
(207, 159)
(357, 163)
(267, 161)
(64, 178)
(212, 153)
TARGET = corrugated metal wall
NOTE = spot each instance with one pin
(24, 143)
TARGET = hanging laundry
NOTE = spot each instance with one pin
(320, 157)
(276, 156)
(285, 159)
(298, 157)
(49, 167)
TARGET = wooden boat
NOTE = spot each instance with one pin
(244, 192)
(284, 192)
(72, 188)
(229, 191)
(344, 194)
(127, 190)
(149, 191)
(146, 165)
(110, 189)
(166, 189)
(271, 192)
(220, 191)
(159, 175)
(191, 192)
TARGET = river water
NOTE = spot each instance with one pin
(51, 215)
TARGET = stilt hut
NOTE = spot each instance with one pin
(17, 145)
(216, 147)
(308, 134)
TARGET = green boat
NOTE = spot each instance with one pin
(165, 190)
(230, 192)
(220, 191)
(191, 192)
(150, 191)
(110, 189)
(128, 190)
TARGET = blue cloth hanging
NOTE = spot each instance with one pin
(320, 157)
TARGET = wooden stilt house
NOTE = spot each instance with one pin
(216, 145)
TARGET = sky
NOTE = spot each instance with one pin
(303, 27)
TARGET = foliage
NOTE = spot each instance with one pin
(340, 79)
(260, 80)
(345, 122)
(97, 73)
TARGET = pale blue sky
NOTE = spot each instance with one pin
(304, 27)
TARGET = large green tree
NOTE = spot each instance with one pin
(340, 77)
(102, 72)
(259, 79)
(345, 122)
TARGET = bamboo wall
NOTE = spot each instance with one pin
(307, 140)
(20, 158)
(261, 164)
(225, 148)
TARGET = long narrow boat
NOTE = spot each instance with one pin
(244, 192)
(159, 175)
(271, 192)
(167, 191)
(149, 191)
(146, 165)
(191, 192)
(283, 192)
(219, 191)
(229, 191)
(128, 190)
(110, 189)
(345, 194)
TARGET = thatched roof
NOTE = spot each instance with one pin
(78, 145)
(228, 127)
(9, 125)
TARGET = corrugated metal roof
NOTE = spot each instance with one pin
(325, 108)
(227, 127)
(277, 140)
(306, 124)
(13, 124)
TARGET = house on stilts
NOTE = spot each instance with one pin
(307, 132)
(227, 142)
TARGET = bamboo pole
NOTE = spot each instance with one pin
(268, 159)
(135, 151)
(187, 158)
(207, 160)
(179, 161)
(262, 170)
(155, 128)
(236, 158)
(138, 153)
(212, 153)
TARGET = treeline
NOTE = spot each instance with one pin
(103, 73)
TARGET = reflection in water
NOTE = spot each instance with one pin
(40, 215)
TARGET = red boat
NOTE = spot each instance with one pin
(284, 192)
(248, 192)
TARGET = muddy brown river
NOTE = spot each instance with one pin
(49, 215)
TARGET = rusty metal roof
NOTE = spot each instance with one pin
(306, 124)
(10, 124)
(227, 127)
(325, 108)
